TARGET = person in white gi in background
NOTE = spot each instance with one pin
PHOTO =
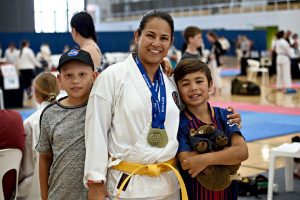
(131, 125)
(283, 64)
(214, 61)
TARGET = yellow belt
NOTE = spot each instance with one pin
(150, 170)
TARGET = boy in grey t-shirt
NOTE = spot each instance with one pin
(193, 38)
(61, 144)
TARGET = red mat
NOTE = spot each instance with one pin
(257, 108)
(295, 85)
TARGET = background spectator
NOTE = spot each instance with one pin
(26, 65)
(44, 57)
(11, 54)
(84, 34)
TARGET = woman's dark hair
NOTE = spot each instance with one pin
(84, 25)
(280, 34)
(212, 34)
(23, 44)
(156, 14)
(188, 66)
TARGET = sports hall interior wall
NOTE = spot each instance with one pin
(16, 16)
(119, 41)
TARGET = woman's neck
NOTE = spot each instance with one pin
(151, 73)
(84, 41)
(150, 69)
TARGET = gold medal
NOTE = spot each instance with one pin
(157, 137)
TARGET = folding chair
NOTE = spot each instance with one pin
(254, 68)
(9, 159)
(288, 152)
(1, 99)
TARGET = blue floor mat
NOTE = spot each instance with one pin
(255, 125)
(258, 125)
(230, 72)
(26, 113)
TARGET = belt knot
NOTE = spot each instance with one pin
(153, 170)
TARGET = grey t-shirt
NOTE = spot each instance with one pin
(62, 133)
(187, 55)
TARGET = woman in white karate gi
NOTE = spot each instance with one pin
(132, 121)
(119, 118)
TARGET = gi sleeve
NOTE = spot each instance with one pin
(97, 125)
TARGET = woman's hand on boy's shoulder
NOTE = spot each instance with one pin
(167, 67)
(234, 117)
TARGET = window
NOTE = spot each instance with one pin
(55, 15)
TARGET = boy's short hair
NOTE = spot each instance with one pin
(76, 54)
(191, 31)
(188, 66)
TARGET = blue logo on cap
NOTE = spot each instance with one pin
(73, 52)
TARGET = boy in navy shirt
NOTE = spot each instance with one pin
(194, 82)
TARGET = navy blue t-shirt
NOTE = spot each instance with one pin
(194, 188)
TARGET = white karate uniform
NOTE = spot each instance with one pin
(283, 64)
(118, 119)
(215, 73)
(29, 188)
(27, 60)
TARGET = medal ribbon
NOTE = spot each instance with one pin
(158, 104)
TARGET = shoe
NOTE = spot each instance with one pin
(290, 91)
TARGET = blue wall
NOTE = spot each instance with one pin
(55, 40)
(119, 41)
(258, 37)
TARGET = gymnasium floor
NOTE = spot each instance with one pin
(259, 149)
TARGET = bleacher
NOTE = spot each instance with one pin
(132, 10)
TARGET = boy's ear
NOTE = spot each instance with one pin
(58, 77)
(95, 75)
(59, 81)
(188, 40)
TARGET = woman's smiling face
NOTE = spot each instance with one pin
(154, 41)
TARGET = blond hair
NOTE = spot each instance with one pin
(46, 86)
